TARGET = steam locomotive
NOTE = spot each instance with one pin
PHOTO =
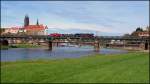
(83, 35)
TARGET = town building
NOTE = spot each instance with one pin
(144, 33)
(12, 30)
(37, 29)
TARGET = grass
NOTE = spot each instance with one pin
(26, 46)
(4, 47)
(20, 46)
(117, 68)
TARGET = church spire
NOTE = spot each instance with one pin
(37, 23)
(26, 20)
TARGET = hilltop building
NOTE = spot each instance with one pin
(37, 29)
(143, 33)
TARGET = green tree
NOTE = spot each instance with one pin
(139, 29)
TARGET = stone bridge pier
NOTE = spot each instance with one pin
(4, 42)
(145, 45)
(50, 45)
(96, 46)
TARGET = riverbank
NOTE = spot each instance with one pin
(118, 68)
(20, 46)
(131, 49)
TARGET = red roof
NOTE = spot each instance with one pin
(35, 27)
(17, 27)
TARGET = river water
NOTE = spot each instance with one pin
(15, 54)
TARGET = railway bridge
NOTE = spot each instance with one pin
(97, 41)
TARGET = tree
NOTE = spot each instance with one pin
(139, 29)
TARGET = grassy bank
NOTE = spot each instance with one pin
(20, 46)
(4, 47)
(119, 68)
(26, 46)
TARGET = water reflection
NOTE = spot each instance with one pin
(57, 53)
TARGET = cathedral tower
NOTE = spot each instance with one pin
(37, 23)
(26, 21)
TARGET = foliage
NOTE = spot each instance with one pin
(20, 46)
(25, 46)
(139, 29)
(4, 47)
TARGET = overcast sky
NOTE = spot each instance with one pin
(103, 17)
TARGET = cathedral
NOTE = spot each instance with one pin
(37, 29)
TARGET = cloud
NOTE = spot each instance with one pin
(89, 16)
(80, 26)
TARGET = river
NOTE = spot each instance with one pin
(15, 54)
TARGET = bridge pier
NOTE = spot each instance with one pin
(50, 45)
(4, 43)
(57, 44)
(96, 46)
(146, 45)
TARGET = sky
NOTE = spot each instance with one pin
(98, 17)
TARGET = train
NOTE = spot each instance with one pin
(55, 35)
(83, 35)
